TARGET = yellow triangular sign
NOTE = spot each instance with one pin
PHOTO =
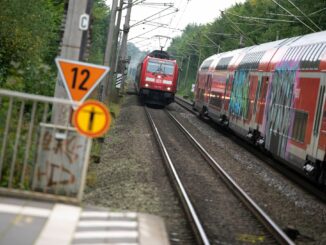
(80, 78)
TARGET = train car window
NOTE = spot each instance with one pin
(308, 56)
(304, 64)
(299, 125)
(296, 54)
(292, 54)
(313, 54)
(223, 63)
(300, 53)
(317, 57)
(289, 55)
(160, 67)
(317, 51)
(206, 64)
(313, 50)
(251, 61)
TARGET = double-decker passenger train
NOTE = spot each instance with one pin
(156, 78)
(272, 94)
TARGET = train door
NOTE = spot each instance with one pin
(260, 105)
(254, 87)
(256, 98)
(208, 87)
(319, 130)
(227, 92)
(278, 112)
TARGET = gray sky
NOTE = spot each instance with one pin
(189, 11)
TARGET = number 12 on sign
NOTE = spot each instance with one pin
(80, 78)
(83, 83)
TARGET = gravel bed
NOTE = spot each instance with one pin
(290, 207)
(131, 175)
(225, 219)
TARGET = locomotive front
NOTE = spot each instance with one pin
(158, 80)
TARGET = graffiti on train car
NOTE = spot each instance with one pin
(280, 100)
(239, 101)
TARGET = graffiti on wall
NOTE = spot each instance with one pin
(60, 161)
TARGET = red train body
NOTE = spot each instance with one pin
(272, 94)
(156, 78)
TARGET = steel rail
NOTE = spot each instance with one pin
(270, 225)
(297, 178)
(196, 224)
(180, 101)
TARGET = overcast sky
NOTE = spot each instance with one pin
(189, 11)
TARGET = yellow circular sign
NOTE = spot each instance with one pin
(92, 119)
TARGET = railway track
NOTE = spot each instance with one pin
(286, 171)
(218, 209)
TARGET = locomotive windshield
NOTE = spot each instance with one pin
(164, 67)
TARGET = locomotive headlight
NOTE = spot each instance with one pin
(168, 88)
(159, 77)
(146, 85)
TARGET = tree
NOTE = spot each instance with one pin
(252, 22)
(29, 38)
(99, 28)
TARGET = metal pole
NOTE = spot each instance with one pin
(123, 50)
(112, 87)
(107, 55)
(186, 76)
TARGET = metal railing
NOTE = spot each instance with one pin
(36, 155)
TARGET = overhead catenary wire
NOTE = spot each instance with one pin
(183, 12)
(258, 18)
(305, 15)
(293, 15)
(144, 33)
(140, 22)
(237, 28)
(150, 19)
(165, 15)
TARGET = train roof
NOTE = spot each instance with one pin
(306, 51)
(159, 54)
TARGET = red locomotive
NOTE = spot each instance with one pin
(274, 95)
(156, 78)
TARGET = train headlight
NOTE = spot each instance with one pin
(168, 88)
(146, 85)
(159, 77)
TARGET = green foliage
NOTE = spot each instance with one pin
(99, 28)
(257, 21)
(29, 38)
(29, 42)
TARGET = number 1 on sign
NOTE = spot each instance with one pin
(81, 86)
